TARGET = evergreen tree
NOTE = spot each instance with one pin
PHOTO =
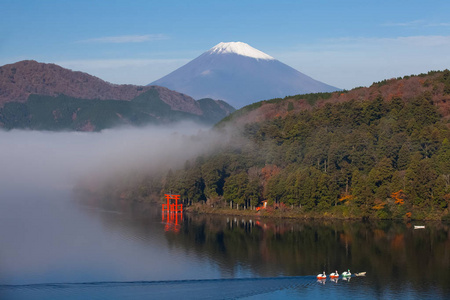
(235, 188)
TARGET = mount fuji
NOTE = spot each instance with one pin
(239, 74)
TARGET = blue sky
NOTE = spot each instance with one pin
(342, 43)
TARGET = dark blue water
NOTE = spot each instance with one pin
(54, 248)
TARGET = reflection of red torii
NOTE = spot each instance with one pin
(172, 207)
(172, 221)
(174, 213)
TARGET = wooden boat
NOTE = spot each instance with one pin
(361, 274)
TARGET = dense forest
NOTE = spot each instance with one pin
(372, 158)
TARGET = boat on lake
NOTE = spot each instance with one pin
(334, 275)
(347, 273)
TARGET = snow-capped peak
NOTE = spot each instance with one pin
(240, 49)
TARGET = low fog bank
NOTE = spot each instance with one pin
(33, 161)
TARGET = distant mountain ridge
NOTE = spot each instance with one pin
(20, 79)
(241, 75)
(48, 97)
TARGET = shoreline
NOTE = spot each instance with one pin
(417, 214)
(295, 214)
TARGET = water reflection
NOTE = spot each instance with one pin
(394, 255)
(335, 280)
(391, 253)
(171, 220)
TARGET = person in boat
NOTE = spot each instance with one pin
(322, 276)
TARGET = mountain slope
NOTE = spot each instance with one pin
(48, 97)
(240, 75)
(435, 86)
(21, 79)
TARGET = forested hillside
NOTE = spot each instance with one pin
(375, 158)
(68, 113)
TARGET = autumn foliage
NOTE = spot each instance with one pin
(379, 204)
(346, 198)
(398, 197)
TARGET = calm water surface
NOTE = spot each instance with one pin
(54, 248)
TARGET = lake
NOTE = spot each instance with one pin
(52, 247)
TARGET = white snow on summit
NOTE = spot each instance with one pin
(240, 49)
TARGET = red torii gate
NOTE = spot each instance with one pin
(172, 207)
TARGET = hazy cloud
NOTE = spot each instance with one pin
(416, 23)
(442, 24)
(348, 62)
(40, 160)
(117, 63)
(404, 24)
(126, 39)
(426, 41)
(122, 71)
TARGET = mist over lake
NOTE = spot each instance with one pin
(53, 247)
(43, 160)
